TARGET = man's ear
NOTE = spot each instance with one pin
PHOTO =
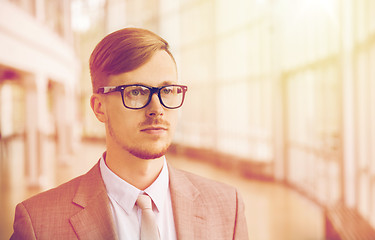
(98, 107)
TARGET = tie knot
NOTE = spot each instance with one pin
(144, 202)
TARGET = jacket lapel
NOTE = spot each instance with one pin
(188, 207)
(95, 220)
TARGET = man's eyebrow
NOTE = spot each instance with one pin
(164, 83)
(168, 83)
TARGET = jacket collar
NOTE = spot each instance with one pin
(94, 221)
(188, 206)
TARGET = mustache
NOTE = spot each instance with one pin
(154, 121)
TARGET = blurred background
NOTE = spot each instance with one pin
(281, 103)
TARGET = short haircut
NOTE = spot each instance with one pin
(123, 51)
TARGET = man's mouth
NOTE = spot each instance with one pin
(155, 129)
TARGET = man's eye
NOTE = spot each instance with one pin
(135, 92)
(167, 90)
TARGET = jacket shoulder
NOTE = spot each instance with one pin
(218, 203)
(64, 192)
(54, 196)
(210, 187)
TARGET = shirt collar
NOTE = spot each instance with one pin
(126, 194)
(158, 190)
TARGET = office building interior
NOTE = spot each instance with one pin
(280, 104)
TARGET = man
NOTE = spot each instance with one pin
(136, 96)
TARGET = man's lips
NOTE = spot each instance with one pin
(154, 129)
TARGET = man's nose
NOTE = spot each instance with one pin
(154, 108)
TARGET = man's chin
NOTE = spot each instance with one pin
(146, 154)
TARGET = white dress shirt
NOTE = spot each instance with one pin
(127, 215)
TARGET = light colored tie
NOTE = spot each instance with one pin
(149, 228)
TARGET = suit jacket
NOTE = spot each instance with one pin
(80, 209)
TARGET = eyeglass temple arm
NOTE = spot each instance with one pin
(185, 88)
(106, 89)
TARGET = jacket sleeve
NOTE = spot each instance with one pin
(22, 226)
(240, 227)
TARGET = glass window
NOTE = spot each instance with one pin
(12, 109)
(371, 14)
(360, 20)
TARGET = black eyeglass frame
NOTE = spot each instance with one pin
(153, 90)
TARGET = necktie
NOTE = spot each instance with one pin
(149, 228)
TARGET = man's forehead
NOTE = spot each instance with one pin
(116, 80)
(159, 69)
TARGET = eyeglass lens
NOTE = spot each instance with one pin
(138, 96)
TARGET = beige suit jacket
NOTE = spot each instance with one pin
(80, 209)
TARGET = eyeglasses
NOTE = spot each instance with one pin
(138, 96)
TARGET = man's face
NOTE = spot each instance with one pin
(145, 133)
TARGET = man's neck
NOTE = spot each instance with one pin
(140, 173)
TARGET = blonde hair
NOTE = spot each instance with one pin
(123, 51)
